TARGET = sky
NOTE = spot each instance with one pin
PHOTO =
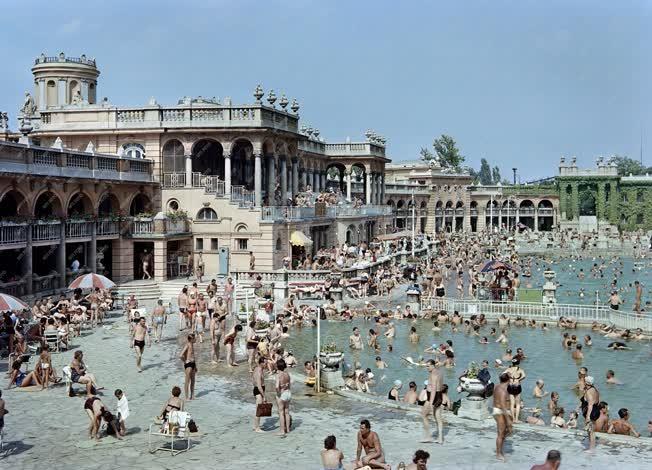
(519, 83)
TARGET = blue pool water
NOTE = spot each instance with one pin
(546, 360)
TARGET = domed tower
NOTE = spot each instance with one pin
(61, 81)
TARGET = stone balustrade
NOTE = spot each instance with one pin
(65, 163)
(281, 213)
(181, 116)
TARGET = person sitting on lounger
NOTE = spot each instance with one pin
(80, 375)
(173, 403)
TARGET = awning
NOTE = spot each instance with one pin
(300, 239)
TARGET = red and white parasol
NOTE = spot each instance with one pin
(91, 281)
(9, 303)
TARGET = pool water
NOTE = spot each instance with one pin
(545, 360)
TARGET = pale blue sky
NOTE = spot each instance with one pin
(518, 82)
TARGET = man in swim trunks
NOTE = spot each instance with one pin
(140, 334)
(189, 366)
(637, 300)
(502, 414)
(435, 385)
(355, 340)
(259, 389)
(370, 442)
(622, 425)
(158, 319)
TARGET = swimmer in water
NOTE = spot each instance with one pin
(611, 378)
(617, 346)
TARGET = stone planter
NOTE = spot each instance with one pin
(473, 387)
(330, 360)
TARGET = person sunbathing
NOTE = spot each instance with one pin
(173, 403)
(21, 379)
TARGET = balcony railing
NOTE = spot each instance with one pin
(44, 283)
(45, 231)
(242, 196)
(53, 162)
(142, 226)
(545, 212)
(107, 227)
(174, 180)
(13, 233)
(278, 213)
(79, 229)
(15, 288)
(526, 212)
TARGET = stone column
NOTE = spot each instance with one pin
(536, 219)
(41, 94)
(160, 260)
(295, 176)
(481, 221)
(575, 202)
(315, 181)
(188, 160)
(27, 262)
(62, 85)
(258, 180)
(304, 179)
(284, 179)
(367, 181)
(84, 90)
(227, 175)
(349, 175)
(322, 182)
(382, 190)
(378, 190)
(271, 179)
(92, 248)
(61, 256)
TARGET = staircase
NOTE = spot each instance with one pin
(147, 290)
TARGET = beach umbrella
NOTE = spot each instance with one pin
(9, 303)
(495, 265)
(90, 281)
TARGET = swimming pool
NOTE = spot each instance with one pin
(545, 360)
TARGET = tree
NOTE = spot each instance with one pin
(628, 166)
(426, 155)
(448, 154)
(485, 172)
(495, 175)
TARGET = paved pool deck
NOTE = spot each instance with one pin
(48, 430)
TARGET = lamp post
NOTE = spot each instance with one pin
(514, 170)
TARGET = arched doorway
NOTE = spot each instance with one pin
(242, 168)
(79, 205)
(173, 157)
(359, 182)
(459, 216)
(335, 177)
(47, 205)
(208, 158)
(492, 214)
(546, 216)
(141, 204)
(423, 213)
(526, 213)
(400, 214)
(13, 204)
(109, 205)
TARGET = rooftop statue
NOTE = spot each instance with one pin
(77, 97)
(29, 107)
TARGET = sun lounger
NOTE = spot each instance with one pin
(174, 430)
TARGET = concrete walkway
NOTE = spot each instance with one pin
(47, 429)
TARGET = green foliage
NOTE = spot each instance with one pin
(426, 155)
(495, 175)
(485, 172)
(627, 166)
(448, 154)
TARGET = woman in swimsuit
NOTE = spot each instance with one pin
(283, 397)
(80, 375)
(516, 376)
(19, 378)
(173, 403)
(96, 411)
(189, 366)
(229, 342)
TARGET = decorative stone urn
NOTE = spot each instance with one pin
(473, 387)
(549, 289)
(330, 361)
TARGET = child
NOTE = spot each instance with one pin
(122, 411)
(572, 420)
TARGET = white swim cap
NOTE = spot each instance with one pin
(425, 383)
(589, 380)
(398, 383)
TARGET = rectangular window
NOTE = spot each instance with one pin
(241, 243)
(639, 196)
(639, 218)
(213, 244)
(199, 244)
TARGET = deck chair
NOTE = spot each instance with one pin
(175, 429)
(52, 340)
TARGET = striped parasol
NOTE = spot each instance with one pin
(9, 303)
(495, 265)
(90, 281)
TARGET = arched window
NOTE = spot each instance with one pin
(173, 157)
(206, 214)
(133, 150)
(173, 205)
